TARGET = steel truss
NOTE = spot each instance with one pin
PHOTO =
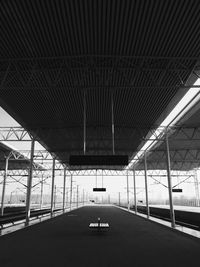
(179, 157)
(53, 71)
(99, 172)
(177, 133)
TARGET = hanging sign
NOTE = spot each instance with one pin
(99, 189)
(177, 190)
(98, 160)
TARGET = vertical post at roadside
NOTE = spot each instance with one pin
(119, 199)
(29, 184)
(52, 186)
(70, 207)
(4, 186)
(146, 185)
(134, 186)
(128, 201)
(172, 215)
(64, 189)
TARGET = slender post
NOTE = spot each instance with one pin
(77, 197)
(52, 186)
(134, 186)
(119, 200)
(74, 194)
(84, 123)
(11, 197)
(67, 198)
(128, 201)
(96, 177)
(172, 215)
(29, 184)
(113, 126)
(4, 186)
(41, 193)
(70, 207)
(55, 191)
(146, 185)
(83, 197)
(196, 185)
(64, 189)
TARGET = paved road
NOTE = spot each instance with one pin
(67, 241)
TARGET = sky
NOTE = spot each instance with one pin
(7, 121)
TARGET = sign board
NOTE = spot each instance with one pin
(97, 160)
(177, 190)
(97, 189)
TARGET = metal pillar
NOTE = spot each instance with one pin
(119, 199)
(196, 185)
(11, 197)
(113, 126)
(29, 184)
(83, 197)
(84, 124)
(146, 185)
(70, 207)
(172, 215)
(52, 186)
(77, 197)
(134, 186)
(55, 196)
(67, 198)
(41, 193)
(4, 186)
(64, 189)
(128, 201)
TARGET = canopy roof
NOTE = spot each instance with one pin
(16, 161)
(138, 53)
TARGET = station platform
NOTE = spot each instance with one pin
(177, 207)
(67, 240)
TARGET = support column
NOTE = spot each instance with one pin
(146, 185)
(134, 186)
(64, 189)
(70, 207)
(29, 184)
(77, 199)
(113, 125)
(67, 197)
(4, 186)
(172, 215)
(128, 201)
(119, 199)
(196, 185)
(52, 186)
(84, 123)
(41, 193)
(55, 196)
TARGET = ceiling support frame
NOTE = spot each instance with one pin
(29, 184)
